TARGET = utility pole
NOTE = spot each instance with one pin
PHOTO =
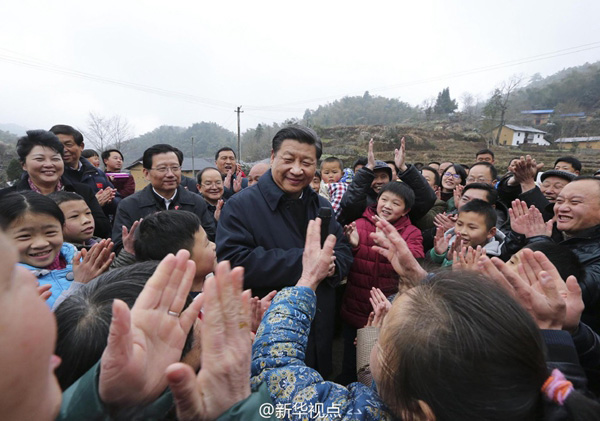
(193, 167)
(239, 148)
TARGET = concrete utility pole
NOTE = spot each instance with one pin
(239, 151)
(193, 167)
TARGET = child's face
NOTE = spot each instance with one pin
(331, 172)
(203, 254)
(514, 261)
(472, 229)
(316, 183)
(94, 160)
(38, 238)
(391, 207)
(79, 222)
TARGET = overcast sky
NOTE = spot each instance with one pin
(192, 61)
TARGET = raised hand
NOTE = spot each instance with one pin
(370, 156)
(237, 181)
(220, 204)
(526, 170)
(226, 351)
(457, 194)
(540, 289)
(444, 221)
(393, 247)
(89, 264)
(128, 237)
(381, 306)
(145, 340)
(316, 261)
(528, 221)
(441, 241)
(227, 181)
(467, 258)
(400, 156)
(105, 196)
(352, 234)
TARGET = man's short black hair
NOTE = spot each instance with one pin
(493, 170)
(436, 175)
(199, 175)
(106, 154)
(318, 174)
(38, 138)
(165, 232)
(484, 152)
(334, 159)
(223, 149)
(575, 163)
(300, 134)
(481, 207)
(158, 149)
(492, 193)
(360, 161)
(401, 190)
(434, 162)
(69, 131)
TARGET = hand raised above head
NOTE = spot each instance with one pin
(400, 156)
(370, 156)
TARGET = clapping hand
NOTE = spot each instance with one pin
(552, 302)
(224, 378)
(352, 234)
(528, 221)
(128, 236)
(316, 260)
(400, 156)
(393, 247)
(370, 156)
(381, 306)
(89, 264)
(145, 340)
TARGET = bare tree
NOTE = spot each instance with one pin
(103, 132)
(506, 89)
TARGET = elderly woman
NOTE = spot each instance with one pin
(40, 153)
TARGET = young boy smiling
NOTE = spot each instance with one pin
(475, 226)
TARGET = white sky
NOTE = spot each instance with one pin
(275, 58)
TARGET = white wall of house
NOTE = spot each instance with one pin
(519, 138)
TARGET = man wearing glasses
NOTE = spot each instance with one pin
(162, 168)
(210, 186)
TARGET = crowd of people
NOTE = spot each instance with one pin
(461, 290)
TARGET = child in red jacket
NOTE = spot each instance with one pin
(369, 268)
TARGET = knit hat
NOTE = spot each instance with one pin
(380, 165)
(557, 173)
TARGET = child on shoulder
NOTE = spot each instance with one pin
(332, 171)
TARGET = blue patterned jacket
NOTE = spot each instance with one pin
(299, 392)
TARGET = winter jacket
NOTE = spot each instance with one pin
(494, 247)
(370, 269)
(258, 230)
(145, 202)
(59, 279)
(360, 194)
(278, 359)
(125, 186)
(96, 179)
(101, 221)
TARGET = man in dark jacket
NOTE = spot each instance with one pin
(225, 161)
(80, 170)
(368, 180)
(263, 229)
(162, 167)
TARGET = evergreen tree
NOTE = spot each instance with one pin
(14, 170)
(444, 104)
